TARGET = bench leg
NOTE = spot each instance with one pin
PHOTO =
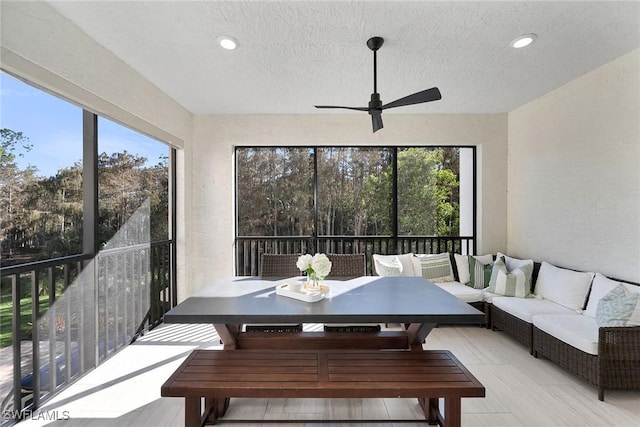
(431, 410)
(192, 414)
(452, 412)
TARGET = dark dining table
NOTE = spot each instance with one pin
(412, 302)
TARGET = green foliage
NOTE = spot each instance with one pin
(275, 195)
(10, 141)
(275, 191)
(425, 192)
(41, 217)
(26, 311)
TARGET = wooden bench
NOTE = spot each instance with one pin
(219, 375)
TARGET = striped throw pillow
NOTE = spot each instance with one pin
(509, 283)
(436, 267)
(479, 273)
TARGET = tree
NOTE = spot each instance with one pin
(13, 181)
(425, 193)
(124, 185)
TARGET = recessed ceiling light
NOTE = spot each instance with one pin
(523, 41)
(227, 42)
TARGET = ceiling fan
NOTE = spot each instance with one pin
(375, 104)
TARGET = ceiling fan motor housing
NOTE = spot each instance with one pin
(375, 103)
(375, 43)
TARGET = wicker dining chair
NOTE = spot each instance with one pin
(349, 266)
(277, 266)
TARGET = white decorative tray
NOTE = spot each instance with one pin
(296, 290)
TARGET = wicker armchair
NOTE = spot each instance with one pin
(277, 266)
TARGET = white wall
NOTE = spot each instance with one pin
(574, 173)
(210, 219)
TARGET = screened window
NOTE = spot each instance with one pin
(133, 186)
(274, 191)
(354, 191)
(40, 174)
(353, 200)
(429, 191)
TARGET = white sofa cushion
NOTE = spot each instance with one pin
(577, 330)
(488, 296)
(526, 308)
(462, 264)
(434, 267)
(603, 285)
(566, 287)
(463, 292)
(394, 265)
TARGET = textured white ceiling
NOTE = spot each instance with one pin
(295, 54)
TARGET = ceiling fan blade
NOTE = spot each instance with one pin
(347, 108)
(376, 120)
(427, 95)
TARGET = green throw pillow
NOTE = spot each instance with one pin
(616, 307)
(479, 273)
(509, 283)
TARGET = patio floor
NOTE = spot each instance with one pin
(521, 390)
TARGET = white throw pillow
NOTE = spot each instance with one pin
(462, 264)
(602, 286)
(565, 287)
(393, 265)
(387, 265)
(436, 267)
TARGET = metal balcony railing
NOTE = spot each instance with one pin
(70, 314)
(250, 248)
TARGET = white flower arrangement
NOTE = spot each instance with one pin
(318, 265)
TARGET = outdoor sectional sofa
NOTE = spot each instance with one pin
(560, 324)
(556, 320)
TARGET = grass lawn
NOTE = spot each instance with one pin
(6, 317)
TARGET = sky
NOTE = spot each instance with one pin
(54, 128)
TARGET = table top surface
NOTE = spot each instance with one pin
(361, 300)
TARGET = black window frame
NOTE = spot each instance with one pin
(394, 237)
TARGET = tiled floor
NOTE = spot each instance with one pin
(521, 391)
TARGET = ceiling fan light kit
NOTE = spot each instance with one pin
(376, 106)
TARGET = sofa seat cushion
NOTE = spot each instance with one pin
(488, 296)
(577, 330)
(463, 292)
(526, 308)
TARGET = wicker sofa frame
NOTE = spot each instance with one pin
(615, 367)
(513, 326)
